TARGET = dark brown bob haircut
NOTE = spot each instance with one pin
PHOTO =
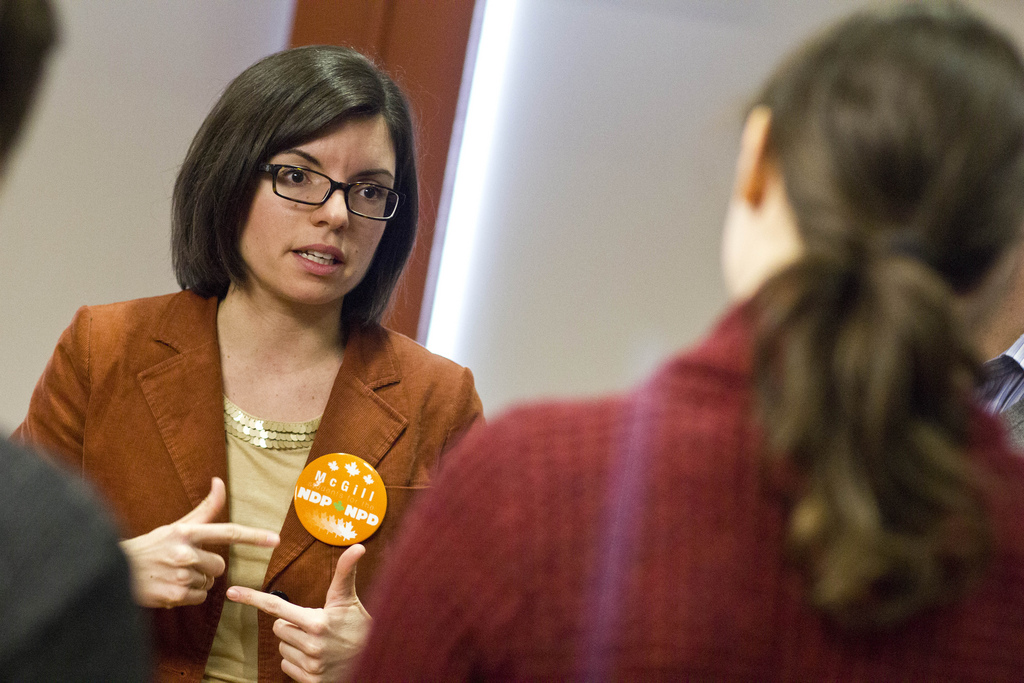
(285, 100)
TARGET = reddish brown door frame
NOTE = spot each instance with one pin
(422, 45)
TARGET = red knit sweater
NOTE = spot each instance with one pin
(634, 538)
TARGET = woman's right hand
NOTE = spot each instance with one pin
(169, 566)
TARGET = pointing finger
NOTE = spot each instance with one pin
(227, 532)
(270, 604)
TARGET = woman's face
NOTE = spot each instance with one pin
(305, 255)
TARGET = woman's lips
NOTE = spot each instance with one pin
(319, 259)
(321, 251)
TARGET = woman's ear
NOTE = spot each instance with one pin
(753, 165)
(760, 234)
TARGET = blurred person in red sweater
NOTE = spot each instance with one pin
(810, 493)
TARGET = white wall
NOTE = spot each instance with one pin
(579, 283)
(85, 211)
(597, 252)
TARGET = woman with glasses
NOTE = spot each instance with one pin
(811, 493)
(294, 213)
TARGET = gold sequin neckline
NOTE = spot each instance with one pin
(281, 436)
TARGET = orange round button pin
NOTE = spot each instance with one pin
(340, 499)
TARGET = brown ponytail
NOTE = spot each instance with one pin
(901, 139)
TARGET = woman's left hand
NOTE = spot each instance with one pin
(318, 644)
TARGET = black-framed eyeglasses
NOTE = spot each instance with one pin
(304, 186)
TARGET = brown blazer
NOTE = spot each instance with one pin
(132, 399)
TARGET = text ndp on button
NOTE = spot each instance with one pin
(350, 510)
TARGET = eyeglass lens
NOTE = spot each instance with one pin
(311, 187)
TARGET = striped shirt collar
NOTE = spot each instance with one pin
(1004, 378)
(1016, 351)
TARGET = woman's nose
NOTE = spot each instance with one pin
(333, 213)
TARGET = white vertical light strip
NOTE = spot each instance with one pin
(470, 176)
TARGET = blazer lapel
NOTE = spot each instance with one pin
(356, 420)
(185, 394)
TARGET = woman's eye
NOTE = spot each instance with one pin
(370, 192)
(293, 176)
